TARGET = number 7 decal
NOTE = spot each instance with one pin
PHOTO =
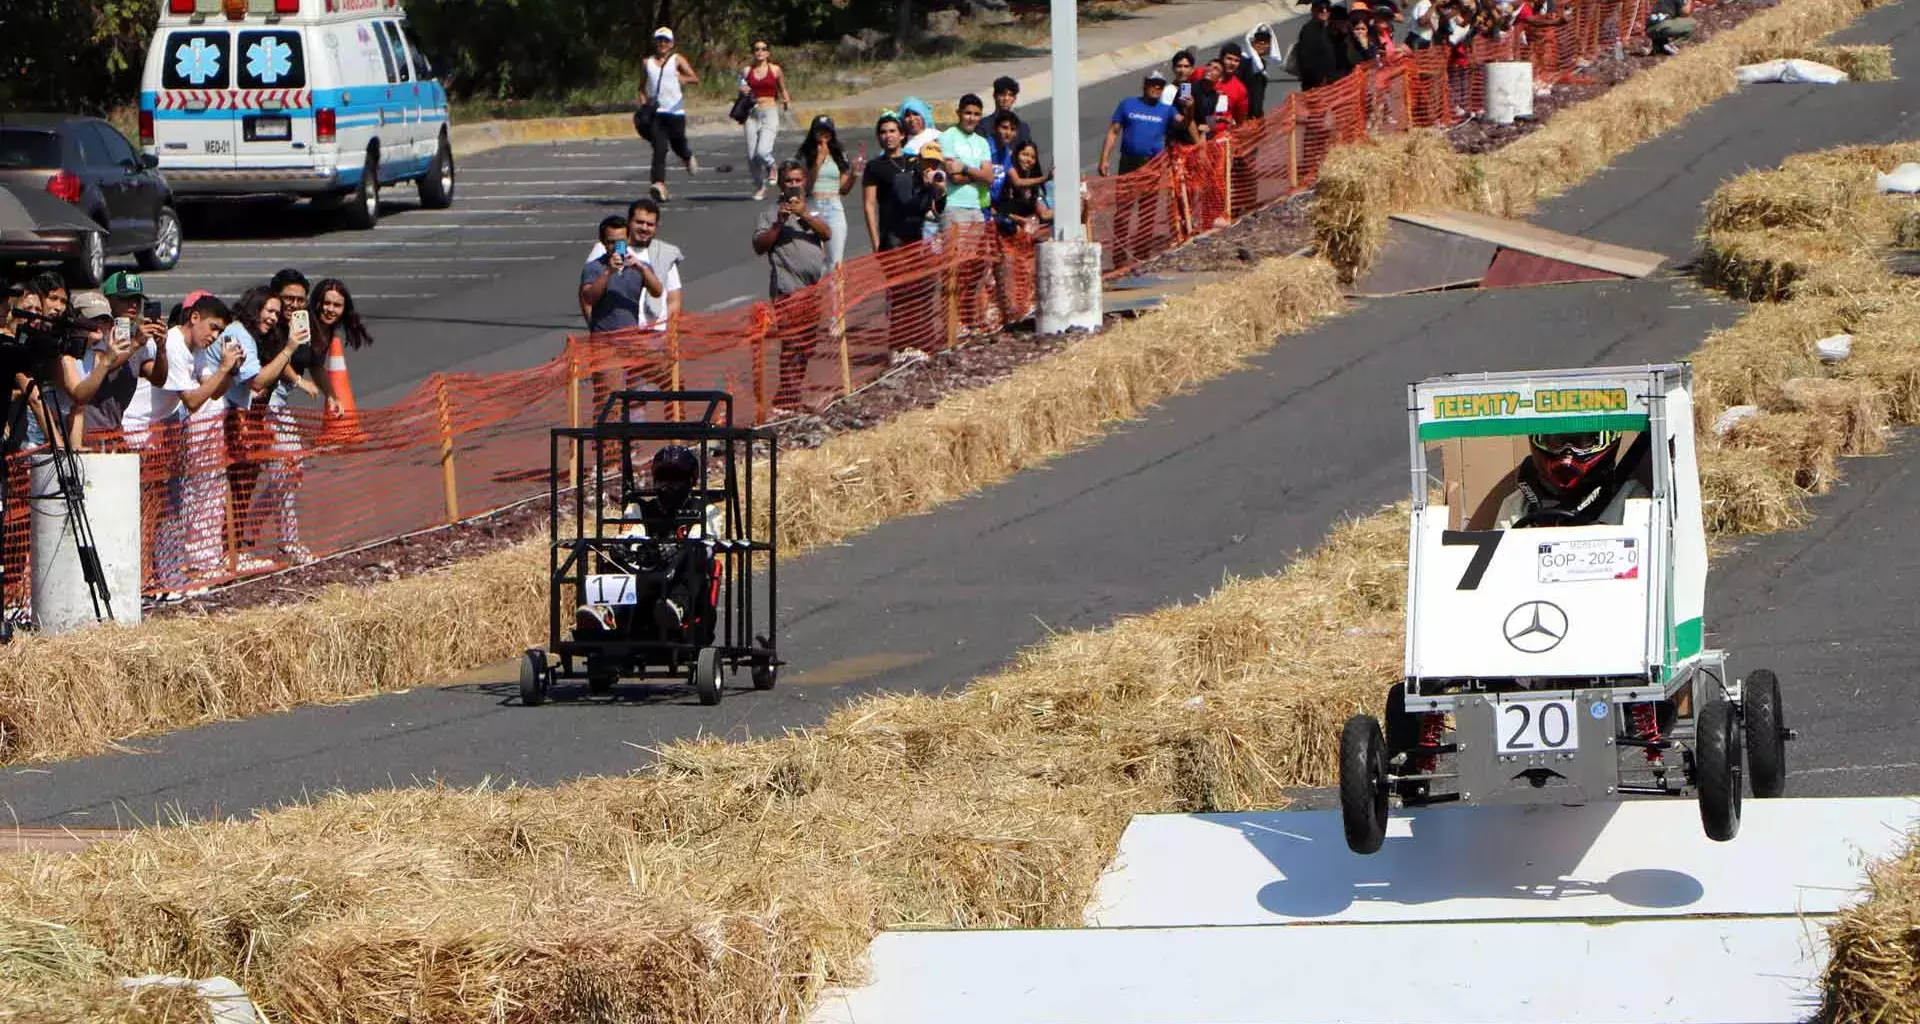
(1485, 541)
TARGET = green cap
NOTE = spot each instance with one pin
(122, 284)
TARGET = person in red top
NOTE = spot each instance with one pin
(1230, 87)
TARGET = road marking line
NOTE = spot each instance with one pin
(1900, 766)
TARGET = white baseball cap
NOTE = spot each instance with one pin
(663, 33)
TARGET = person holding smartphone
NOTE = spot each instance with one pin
(289, 345)
(793, 237)
(150, 401)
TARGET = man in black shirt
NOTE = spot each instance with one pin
(1253, 70)
(1316, 52)
(1006, 92)
(897, 196)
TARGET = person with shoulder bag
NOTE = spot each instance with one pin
(763, 93)
(663, 111)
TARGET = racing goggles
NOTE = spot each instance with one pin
(1581, 445)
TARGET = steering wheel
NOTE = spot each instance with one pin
(1544, 517)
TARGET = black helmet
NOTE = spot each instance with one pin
(675, 468)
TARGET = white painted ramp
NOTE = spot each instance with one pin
(1638, 858)
(1613, 914)
(1674, 972)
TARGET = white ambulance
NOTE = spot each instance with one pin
(330, 99)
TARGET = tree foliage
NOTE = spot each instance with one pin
(86, 55)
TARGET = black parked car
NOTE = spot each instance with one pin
(87, 162)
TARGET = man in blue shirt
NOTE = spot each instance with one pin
(1139, 126)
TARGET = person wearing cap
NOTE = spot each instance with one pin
(916, 119)
(102, 373)
(829, 177)
(1138, 127)
(969, 159)
(150, 402)
(1006, 92)
(666, 76)
(933, 172)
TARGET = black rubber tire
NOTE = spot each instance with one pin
(1363, 784)
(362, 210)
(1766, 734)
(167, 235)
(1716, 756)
(602, 683)
(533, 679)
(765, 676)
(88, 269)
(706, 675)
(1403, 734)
(437, 185)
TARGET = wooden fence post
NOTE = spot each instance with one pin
(1226, 146)
(952, 238)
(673, 362)
(840, 326)
(447, 475)
(573, 412)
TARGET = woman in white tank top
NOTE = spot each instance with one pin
(666, 74)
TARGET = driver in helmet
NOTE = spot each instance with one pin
(670, 522)
(1570, 480)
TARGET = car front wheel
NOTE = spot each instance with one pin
(165, 253)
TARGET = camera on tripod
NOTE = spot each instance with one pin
(39, 341)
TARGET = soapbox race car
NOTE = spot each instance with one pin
(1555, 650)
(655, 575)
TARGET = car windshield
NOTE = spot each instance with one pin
(27, 147)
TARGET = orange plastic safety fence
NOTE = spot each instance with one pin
(233, 496)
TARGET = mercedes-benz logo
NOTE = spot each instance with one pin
(1535, 627)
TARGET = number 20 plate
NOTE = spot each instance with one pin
(1536, 727)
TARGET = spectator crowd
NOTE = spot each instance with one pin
(206, 393)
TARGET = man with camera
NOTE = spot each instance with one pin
(794, 241)
(94, 372)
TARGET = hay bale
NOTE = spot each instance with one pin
(1768, 265)
(1808, 201)
(1743, 495)
(1360, 184)
(1873, 965)
(1806, 446)
(1855, 409)
(1906, 232)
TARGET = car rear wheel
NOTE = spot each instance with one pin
(165, 253)
(363, 209)
(89, 268)
(436, 186)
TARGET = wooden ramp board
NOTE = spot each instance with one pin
(1530, 238)
(1641, 858)
(1754, 970)
(1416, 258)
(55, 840)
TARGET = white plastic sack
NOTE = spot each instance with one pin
(1727, 420)
(1765, 71)
(226, 1001)
(1834, 349)
(1790, 70)
(1812, 73)
(1905, 178)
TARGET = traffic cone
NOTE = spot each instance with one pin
(342, 429)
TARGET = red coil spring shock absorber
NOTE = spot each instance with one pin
(1645, 723)
(1433, 731)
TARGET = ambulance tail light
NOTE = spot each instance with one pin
(286, 6)
(179, 6)
(146, 127)
(323, 124)
(65, 186)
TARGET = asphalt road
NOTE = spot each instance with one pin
(490, 283)
(1233, 478)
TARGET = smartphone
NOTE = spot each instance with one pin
(123, 328)
(299, 326)
(1186, 91)
(620, 248)
(790, 194)
(153, 310)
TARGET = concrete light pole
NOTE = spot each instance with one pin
(1069, 264)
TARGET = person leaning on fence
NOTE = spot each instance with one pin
(201, 381)
(1139, 129)
(337, 327)
(150, 402)
(895, 192)
(103, 374)
(933, 172)
(794, 238)
(665, 77)
(638, 292)
(1254, 62)
(829, 178)
(257, 318)
(969, 160)
(1669, 24)
(288, 344)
